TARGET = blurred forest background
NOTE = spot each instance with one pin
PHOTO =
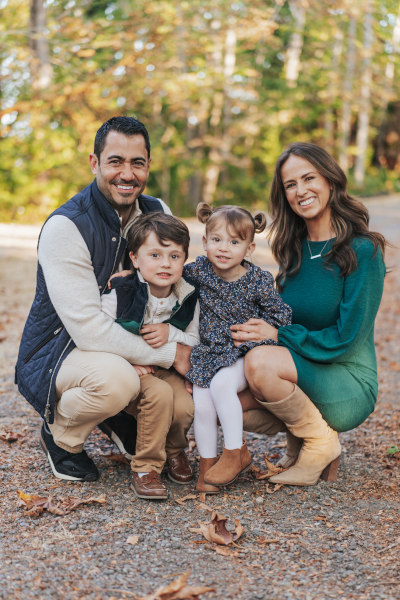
(223, 86)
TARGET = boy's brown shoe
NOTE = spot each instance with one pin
(179, 469)
(149, 487)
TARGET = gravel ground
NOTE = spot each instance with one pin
(332, 540)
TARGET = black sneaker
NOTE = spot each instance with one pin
(66, 465)
(122, 430)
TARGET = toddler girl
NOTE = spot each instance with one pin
(231, 290)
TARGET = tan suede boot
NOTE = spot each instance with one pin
(201, 486)
(229, 466)
(320, 447)
(293, 447)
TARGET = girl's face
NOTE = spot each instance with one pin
(226, 250)
(307, 191)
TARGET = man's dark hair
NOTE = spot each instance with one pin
(126, 125)
(166, 227)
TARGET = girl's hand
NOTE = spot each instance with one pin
(119, 274)
(254, 330)
(143, 369)
(156, 334)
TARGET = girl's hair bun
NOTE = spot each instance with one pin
(260, 222)
(203, 212)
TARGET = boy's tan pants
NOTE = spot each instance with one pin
(164, 413)
(90, 386)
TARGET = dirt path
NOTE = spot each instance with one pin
(336, 540)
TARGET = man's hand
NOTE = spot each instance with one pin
(119, 274)
(143, 369)
(182, 359)
(155, 334)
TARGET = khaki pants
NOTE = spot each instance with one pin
(91, 386)
(164, 413)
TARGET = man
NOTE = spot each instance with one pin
(74, 363)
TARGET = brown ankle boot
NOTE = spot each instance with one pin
(201, 486)
(229, 466)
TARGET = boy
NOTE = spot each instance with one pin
(157, 303)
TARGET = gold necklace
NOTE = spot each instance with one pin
(312, 256)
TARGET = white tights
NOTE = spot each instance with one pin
(220, 401)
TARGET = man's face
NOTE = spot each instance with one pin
(123, 169)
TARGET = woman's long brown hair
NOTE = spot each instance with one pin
(349, 217)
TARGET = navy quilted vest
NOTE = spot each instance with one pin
(45, 342)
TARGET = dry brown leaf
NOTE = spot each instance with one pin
(178, 590)
(182, 501)
(11, 436)
(117, 458)
(132, 540)
(275, 487)
(34, 504)
(216, 532)
(272, 469)
(265, 541)
(225, 551)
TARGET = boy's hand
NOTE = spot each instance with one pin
(156, 334)
(119, 274)
(143, 369)
(182, 359)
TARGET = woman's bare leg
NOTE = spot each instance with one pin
(270, 372)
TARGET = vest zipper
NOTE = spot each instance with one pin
(113, 267)
(47, 409)
(42, 343)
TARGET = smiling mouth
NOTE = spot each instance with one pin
(121, 187)
(306, 202)
(164, 275)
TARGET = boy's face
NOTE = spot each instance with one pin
(160, 264)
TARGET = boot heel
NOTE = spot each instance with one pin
(330, 472)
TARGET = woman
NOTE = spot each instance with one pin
(322, 377)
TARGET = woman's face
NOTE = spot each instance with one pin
(307, 191)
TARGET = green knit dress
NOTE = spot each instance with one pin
(331, 338)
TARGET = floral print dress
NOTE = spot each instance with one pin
(224, 303)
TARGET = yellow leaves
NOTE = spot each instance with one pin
(216, 532)
(34, 504)
(178, 590)
(182, 501)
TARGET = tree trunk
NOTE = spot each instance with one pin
(333, 89)
(292, 68)
(365, 100)
(41, 67)
(345, 121)
(388, 90)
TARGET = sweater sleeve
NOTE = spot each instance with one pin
(189, 337)
(73, 290)
(357, 311)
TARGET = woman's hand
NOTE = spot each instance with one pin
(254, 330)
(155, 334)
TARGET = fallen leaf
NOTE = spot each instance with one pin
(275, 487)
(34, 504)
(117, 458)
(265, 541)
(132, 539)
(272, 469)
(182, 501)
(225, 551)
(11, 436)
(216, 532)
(178, 590)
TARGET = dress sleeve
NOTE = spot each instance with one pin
(275, 311)
(359, 305)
